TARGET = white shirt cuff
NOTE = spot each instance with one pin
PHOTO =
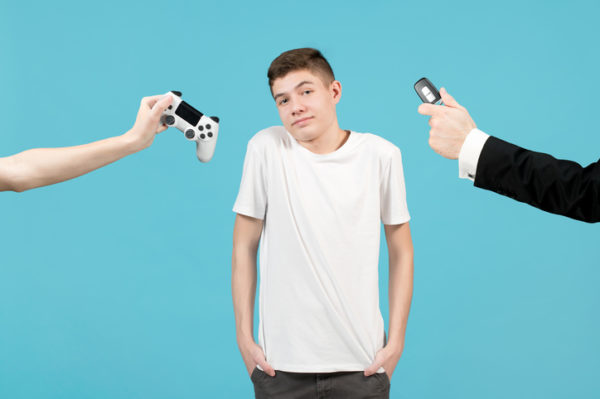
(469, 154)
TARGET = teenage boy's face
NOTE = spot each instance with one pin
(306, 104)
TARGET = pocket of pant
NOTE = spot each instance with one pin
(254, 376)
(383, 379)
(387, 378)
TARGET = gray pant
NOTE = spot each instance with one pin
(344, 385)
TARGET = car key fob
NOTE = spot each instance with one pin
(427, 91)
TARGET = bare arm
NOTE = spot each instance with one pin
(246, 236)
(401, 257)
(43, 166)
(401, 263)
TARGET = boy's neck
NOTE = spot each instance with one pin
(327, 142)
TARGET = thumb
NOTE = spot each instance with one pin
(448, 99)
(261, 360)
(161, 105)
(266, 367)
(372, 369)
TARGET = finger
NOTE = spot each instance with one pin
(151, 100)
(372, 369)
(161, 105)
(266, 367)
(430, 109)
(448, 99)
(161, 128)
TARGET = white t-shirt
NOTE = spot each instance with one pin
(319, 249)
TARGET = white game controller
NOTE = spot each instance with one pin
(196, 126)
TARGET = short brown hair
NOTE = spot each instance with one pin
(298, 59)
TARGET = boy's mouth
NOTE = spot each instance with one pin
(302, 120)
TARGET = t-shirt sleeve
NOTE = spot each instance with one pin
(252, 197)
(394, 209)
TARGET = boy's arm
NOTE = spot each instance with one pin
(246, 236)
(401, 258)
(43, 166)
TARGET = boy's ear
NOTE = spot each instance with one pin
(336, 89)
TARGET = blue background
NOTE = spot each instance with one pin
(117, 284)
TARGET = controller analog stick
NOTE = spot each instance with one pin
(190, 133)
(169, 120)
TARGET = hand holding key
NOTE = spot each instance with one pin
(450, 123)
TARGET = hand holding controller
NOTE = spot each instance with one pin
(194, 124)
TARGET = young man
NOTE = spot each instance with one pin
(44, 166)
(315, 195)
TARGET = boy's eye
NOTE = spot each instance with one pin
(282, 101)
(307, 91)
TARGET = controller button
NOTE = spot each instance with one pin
(208, 126)
(177, 93)
(169, 119)
(201, 128)
(190, 133)
(215, 118)
(170, 107)
(202, 136)
(209, 134)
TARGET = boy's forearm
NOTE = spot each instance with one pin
(400, 297)
(243, 287)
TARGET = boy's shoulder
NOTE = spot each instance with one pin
(377, 144)
(268, 137)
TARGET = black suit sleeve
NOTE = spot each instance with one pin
(553, 185)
